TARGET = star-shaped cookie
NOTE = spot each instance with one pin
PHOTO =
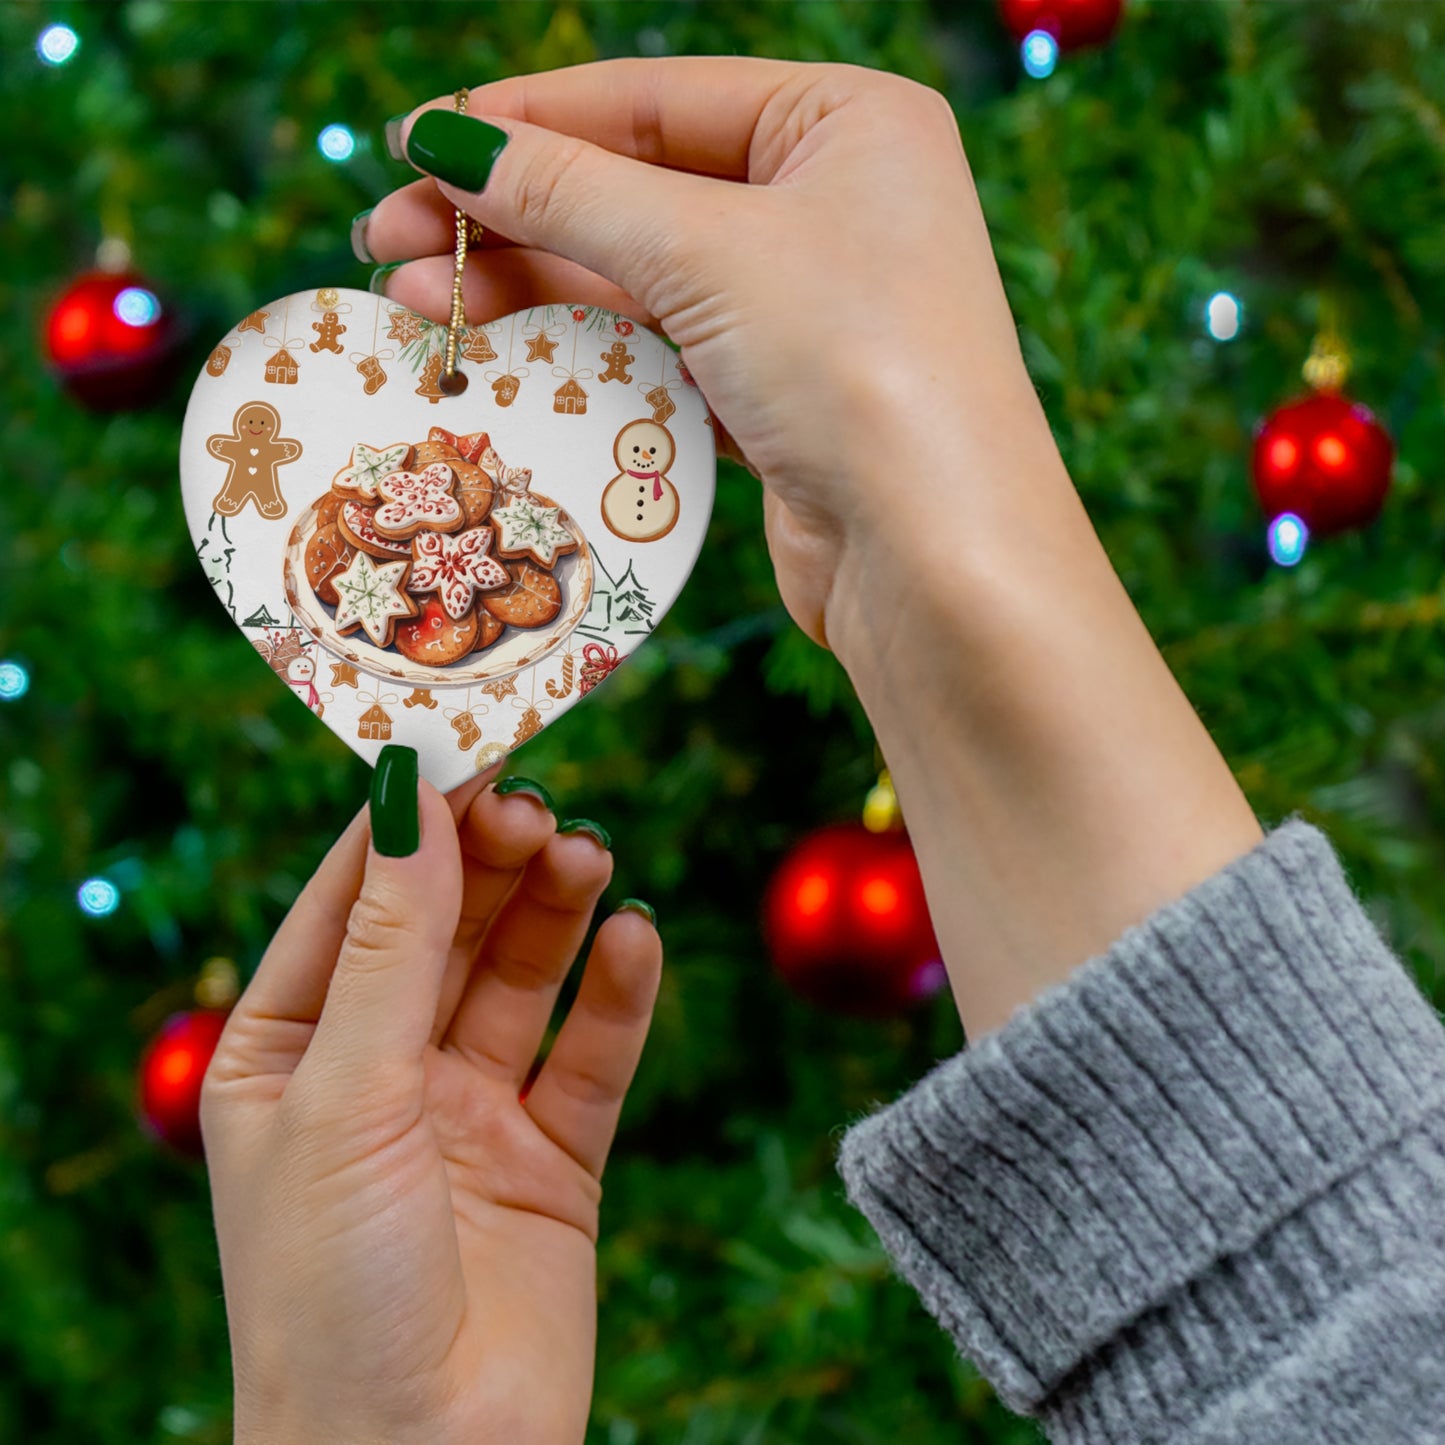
(371, 597)
(526, 528)
(368, 466)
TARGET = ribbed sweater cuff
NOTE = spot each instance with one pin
(1142, 1166)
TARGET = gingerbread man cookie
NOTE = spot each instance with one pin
(618, 359)
(327, 330)
(252, 453)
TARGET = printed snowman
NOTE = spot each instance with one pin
(639, 503)
(301, 679)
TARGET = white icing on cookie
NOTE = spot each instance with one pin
(525, 526)
(370, 594)
(412, 500)
(455, 567)
(368, 466)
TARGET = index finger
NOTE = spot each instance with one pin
(689, 113)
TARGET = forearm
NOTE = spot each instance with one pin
(1056, 782)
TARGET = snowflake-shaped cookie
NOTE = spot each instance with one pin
(370, 596)
(406, 326)
(455, 567)
(368, 466)
(526, 528)
(412, 501)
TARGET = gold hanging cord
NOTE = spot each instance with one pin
(453, 382)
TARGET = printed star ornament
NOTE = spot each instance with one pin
(442, 563)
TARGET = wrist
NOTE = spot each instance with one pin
(1057, 784)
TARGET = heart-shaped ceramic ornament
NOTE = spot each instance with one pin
(449, 572)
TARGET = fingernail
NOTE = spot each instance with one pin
(586, 825)
(377, 284)
(393, 137)
(511, 785)
(636, 905)
(395, 825)
(455, 148)
(359, 248)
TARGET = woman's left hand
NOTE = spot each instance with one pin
(407, 1245)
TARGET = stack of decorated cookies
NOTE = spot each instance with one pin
(436, 549)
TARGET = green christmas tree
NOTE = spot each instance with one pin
(1290, 155)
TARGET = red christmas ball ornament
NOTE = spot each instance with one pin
(847, 923)
(171, 1071)
(1326, 459)
(110, 340)
(1073, 23)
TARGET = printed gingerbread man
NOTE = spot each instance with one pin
(618, 359)
(327, 330)
(252, 452)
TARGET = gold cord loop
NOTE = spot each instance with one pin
(453, 382)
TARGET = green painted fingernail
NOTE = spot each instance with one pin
(586, 825)
(636, 905)
(455, 148)
(377, 284)
(359, 248)
(392, 131)
(514, 784)
(395, 821)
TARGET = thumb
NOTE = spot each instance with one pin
(642, 227)
(382, 999)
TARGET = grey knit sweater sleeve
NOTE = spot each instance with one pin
(1196, 1192)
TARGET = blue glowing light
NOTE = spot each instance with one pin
(14, 681)
(137, 307)
(98, 897)
(57, 44)
(1288, 538)
(1223, 316)
(336, 143)
(1040, 52)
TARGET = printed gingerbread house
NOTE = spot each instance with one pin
(282, 368)
(569, 398)
(375, 724)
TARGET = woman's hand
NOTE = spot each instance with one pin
(811, 237)
(407, 1247)
(836, 310)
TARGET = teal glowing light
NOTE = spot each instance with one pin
(1288, 538)
(14, 681)
(57, 44)
(98, 897)
(336, 143)
(1040, 54)
(137, 307)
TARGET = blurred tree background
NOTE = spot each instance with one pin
(1291, 154)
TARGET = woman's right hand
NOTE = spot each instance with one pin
(841, 311)
(844, 316)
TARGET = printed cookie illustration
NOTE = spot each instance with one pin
(639, 503)
(252, 452)
(372, 597)
(527, 528)
(533, 599)
(618, 359)
(360, 478)
(301, 679)
(327, 330)
(435, 638)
